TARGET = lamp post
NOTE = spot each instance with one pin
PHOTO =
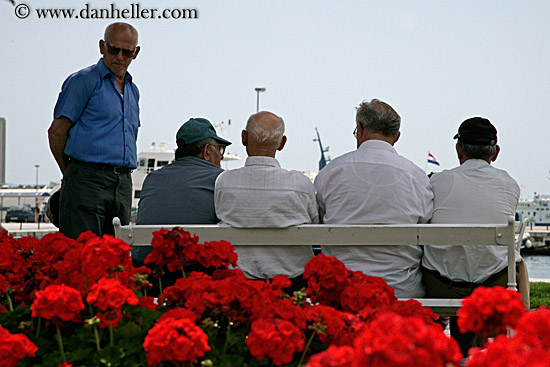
(258, 90)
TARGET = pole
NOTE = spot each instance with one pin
(258, 90)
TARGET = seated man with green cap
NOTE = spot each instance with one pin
(183, 191)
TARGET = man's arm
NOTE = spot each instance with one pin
(57, 136)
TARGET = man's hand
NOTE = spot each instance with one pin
(57, 135)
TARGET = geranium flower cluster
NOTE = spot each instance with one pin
(393, 340)
(488, 312)
(109, 295)
(529, 343)
(14, 347)
(177, 247)
(226, 319)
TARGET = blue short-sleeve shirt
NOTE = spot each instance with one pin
(105, 122)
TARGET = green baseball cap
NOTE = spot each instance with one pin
(197, 129)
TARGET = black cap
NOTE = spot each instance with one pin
(477, 131)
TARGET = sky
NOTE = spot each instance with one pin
(436, 62)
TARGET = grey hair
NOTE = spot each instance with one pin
(485, 152)
(380, 117)
(193, 149)
(265, 136)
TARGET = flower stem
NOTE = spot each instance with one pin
(96, 336)
(307, 347)
(160, 288)
(87, 293)
(60, 343)
(4, 308)
(10, 305)
(38, 327)
(111, 334)
(227, 333)
(183, 272)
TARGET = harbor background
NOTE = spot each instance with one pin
(437, 62)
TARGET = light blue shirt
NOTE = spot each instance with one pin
(105, 122)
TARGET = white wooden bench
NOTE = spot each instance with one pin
(350, 235)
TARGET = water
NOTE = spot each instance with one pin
(538, 266)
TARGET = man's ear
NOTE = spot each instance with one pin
(101, 44)
(244, 138)
(283, 142)
(204, 152)
(397, 138)
(136, 53)
(496, 154)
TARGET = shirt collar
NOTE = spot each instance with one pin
(377, 144)
(475, 163)
(104, 71)
(262, 161)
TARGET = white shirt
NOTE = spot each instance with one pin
(375, 185)
(262, 194)
(474, 192)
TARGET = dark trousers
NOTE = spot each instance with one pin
(91, 196)
(438, 286)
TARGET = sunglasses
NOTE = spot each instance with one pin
(221, 148)
(115, 50)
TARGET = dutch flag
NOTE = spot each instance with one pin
(432, 160)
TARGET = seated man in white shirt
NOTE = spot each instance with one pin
(473, 193)
(262, 194)
(375, 185)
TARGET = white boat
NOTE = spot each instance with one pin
(158, 157)
(537, 211)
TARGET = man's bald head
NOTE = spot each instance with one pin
(114, 28)
(264, 134)
(265, 127)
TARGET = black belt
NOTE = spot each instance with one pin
(103, 167)
(461, 284)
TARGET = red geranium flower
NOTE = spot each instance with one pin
(3, 284)
(340, 328)
(411, 308)
(109, 295)
(333, 357)
(147, 302)
(366, 291)
(217, 254)
(175, 340)
(57, 303)
(392, 340)
(504, 352)
(14, 347)
(534, 328)
(277, 339)
(490, 311)
(327, 277)
(173, 248)
(106, 255)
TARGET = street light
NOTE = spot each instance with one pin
(258, 90)
(37, 167)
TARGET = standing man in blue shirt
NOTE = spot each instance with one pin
(93, 137)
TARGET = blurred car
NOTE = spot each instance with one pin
(20, 214)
